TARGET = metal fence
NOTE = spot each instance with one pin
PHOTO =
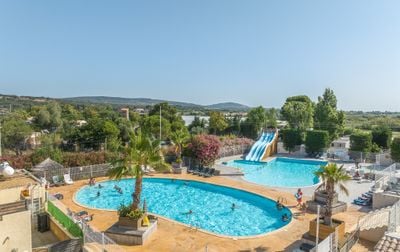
(55, 210)
(93, 239)
(383, 177)
(329, 244)
(234, 150)
(394, 218)
(76, 173)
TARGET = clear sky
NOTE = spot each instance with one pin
(208, 51)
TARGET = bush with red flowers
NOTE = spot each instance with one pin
(205, 148)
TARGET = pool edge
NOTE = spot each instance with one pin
(191, 227)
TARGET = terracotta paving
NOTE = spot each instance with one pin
(172, 236)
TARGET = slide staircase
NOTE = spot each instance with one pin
(264, 147)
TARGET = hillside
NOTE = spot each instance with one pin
(226, 106)
(25, 101)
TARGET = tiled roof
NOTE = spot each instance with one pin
(388, 243)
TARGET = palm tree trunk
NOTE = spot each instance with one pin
(328, 211)
(138, 191)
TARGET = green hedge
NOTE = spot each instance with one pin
(64, 220)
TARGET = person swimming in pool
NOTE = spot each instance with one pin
(285, 217)
(98, 194)
(100, 186)
(279, 205)
(233, 206)
(190, 212)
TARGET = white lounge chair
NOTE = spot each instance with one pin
(67, 179)
(57, 181)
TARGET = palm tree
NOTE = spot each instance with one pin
(332, 175)
(141, 152)
(179, 138)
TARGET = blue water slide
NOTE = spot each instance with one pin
(260, 147)
(268, 141)
(255, 145)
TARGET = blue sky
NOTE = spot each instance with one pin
(253, 52)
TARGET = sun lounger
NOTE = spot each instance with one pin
(57, 181)
(67, 179)
(198, 171)
(205, 171)
(361, 202)
(210, 173)
(190, 169)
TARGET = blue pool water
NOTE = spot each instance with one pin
(280, 172)
(211, 205)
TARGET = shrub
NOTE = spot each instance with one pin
(361, 141)
(382, 136)
(316, 141)
(291, 138)
(395, 150)
(126, 211)
(205, 148)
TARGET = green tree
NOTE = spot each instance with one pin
(257, 117)
(179, 138)
(168, 112)
(151, 125)
(111, 134)
(197, 126)
(141, 152)
(15, 132)
(395, 150)
(217, 122)
(291, 138)
(316, 141)
(327, 117)
(43, 118)
(382, 136)
(361, 142)
(298, 111)
(271, 118)
(332, 176)
(55, 115)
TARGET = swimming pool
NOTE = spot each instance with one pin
(210, 204)
(280, 172)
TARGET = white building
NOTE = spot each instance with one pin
(339, 148)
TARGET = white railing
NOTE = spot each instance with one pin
(382, 178)
(376, 219)
(394, 218)
(95, 240)
(329, 244)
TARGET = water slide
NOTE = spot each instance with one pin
(259, 149)
(255, 145)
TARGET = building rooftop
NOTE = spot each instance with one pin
(19, 178)
(389, 242)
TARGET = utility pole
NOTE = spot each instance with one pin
(160, 123)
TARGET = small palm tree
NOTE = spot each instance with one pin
(179, 137)
(141, 152)
(332, 175)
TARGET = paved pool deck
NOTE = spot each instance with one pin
(173, 236)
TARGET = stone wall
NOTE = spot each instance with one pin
(382, 199)
(15, 232)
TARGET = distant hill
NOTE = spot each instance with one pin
(14, 101)
(127, 101)
(231, 106)
(226, 106)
